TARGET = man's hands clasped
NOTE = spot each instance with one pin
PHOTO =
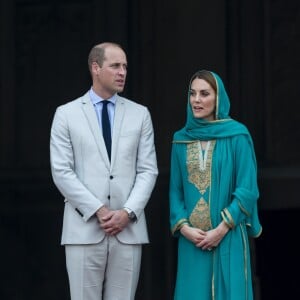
(112, 221)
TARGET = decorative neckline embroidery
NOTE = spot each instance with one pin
(203, 155)
(199, 164)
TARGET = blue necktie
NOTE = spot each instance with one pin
(106, 127)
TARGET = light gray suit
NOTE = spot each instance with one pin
(86, 178)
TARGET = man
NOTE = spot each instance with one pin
(103, 162)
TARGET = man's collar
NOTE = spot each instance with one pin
(96, 99)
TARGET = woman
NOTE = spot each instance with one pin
(213, 197)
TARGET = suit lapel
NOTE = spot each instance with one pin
(118, 120)
(92, 119)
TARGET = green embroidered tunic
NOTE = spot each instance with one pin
(208, 186)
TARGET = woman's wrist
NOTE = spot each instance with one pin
(223, 228)
(183, 228)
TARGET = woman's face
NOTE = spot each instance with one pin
(202, 99)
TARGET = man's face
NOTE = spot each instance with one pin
(111, 76)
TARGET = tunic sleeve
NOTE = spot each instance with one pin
(178, 214)
(243, 207)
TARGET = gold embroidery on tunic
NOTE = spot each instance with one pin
(199, 176)
(200, 216)
(199, 173)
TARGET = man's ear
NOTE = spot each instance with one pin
(95, 68)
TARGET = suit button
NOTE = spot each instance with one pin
(111, 177)
(108, 197)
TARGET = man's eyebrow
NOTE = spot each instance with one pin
(118, 63)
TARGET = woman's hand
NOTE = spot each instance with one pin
(195, 235)
(213, 237)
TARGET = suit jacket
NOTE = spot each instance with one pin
(86, 178)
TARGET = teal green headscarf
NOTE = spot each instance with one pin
(222, 126)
